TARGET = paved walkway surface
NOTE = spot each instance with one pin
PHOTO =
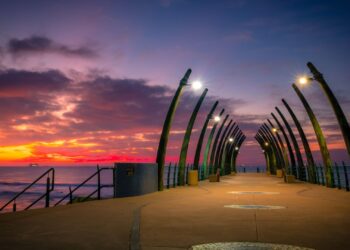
(305, 215)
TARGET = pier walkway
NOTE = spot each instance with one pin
(301, 214)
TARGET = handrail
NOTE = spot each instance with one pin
(99, 186)
(49, 187)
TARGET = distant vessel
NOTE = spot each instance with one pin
(33, 165)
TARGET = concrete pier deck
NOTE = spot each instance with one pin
(306, 215)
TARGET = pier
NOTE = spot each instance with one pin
(246, 207)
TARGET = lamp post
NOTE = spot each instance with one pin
(221, 143)
(210, 139)
(187, 137)
(166, 129)
(226, 157)
(213, 150)
(221, 149)
(294, 141)
(235, 135)
(308, 153)
(290, 150)
(236, 151)
(223, 155)
(320, 138)
(274, 154)
(276, 145)
(201, 137)
(284, 151)
(343, 123)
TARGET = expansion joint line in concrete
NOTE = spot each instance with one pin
(134, 241)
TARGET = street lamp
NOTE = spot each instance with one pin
(163, 141)
(303, 80)
(274, 130)
(236, 148)
(217, 118)
(196, 85)
(342, 121)
(230, 139)
(266, 144)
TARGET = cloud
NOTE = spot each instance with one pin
(23, 83)
(41, 44)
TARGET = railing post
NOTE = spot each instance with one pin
(47, 197)
(187, 175)
(338, 176)
(346, 178)
(98, 183)
(14, 207)
(317, 176)
(322, 176)
(114, 182)
(174, 178)
(168, 177)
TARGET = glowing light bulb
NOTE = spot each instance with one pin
(303, 80)
(196, 85)
(236, 148)
(217, 118)
(231, 139)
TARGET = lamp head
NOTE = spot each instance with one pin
(236, 148)
(196, 85)
(230, 139)
(274, 130)
(303, 80)
(217, 118)
(266, 144)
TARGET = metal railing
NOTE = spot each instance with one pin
(96, 191)
(50, 185)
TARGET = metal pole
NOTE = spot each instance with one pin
(308, 153)
(213, 151)
(187, 137)
(47, 197)
(290, 150)
(294, 141)
(166, 129)
(320, 138)
(207, 148)
(168, 176)
(202, 135)
(343, 123)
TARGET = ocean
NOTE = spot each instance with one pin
(15, 179)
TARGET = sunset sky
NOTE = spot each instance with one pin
(87, 82)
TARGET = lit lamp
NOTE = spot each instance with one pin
(230, 140)
(236, 148)
(196, 85)
(167, 124)
(342, 121)
(266, 144)
(274, 130)
(216, 118)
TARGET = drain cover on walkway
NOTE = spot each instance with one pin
(246, 246)
(254, 207)
(252, 192)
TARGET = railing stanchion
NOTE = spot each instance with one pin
(338, 175)
(346, 177)
(322, 175)
(98, 183)
(168, 176)
(70, 195)
(114, 171)
(186, 181)
(174, 177)
(47, 197)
